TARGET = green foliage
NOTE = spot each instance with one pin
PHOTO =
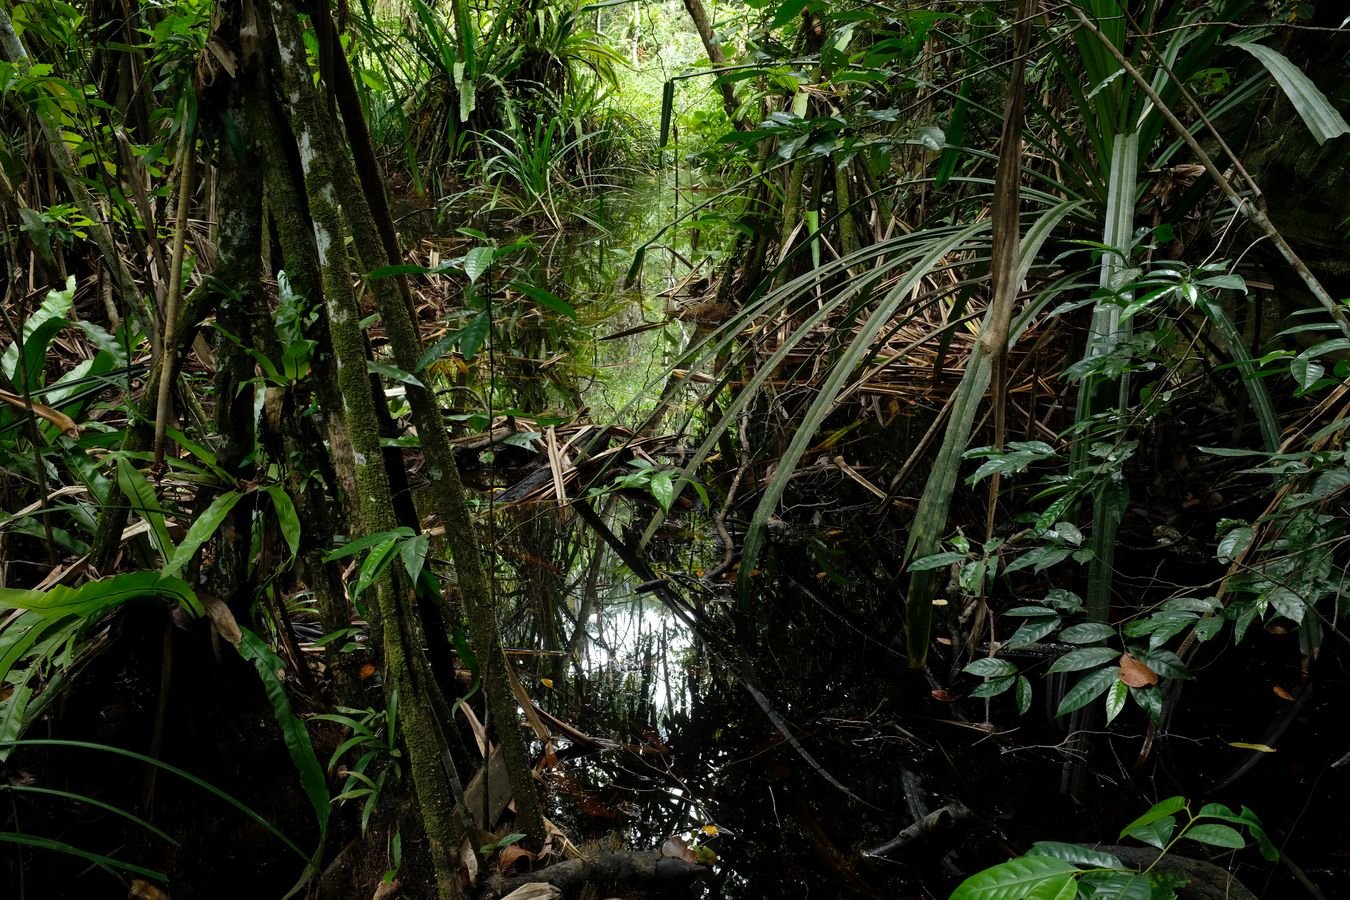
(1059, 871)
(374, 743)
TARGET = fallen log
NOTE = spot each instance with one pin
(645, 868)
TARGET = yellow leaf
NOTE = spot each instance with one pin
(547, 682)
(1243, 745)
(710, 830)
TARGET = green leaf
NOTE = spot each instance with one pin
(990, 668)
(1085, 658)
(546, 299)
(365, 543)
(1031, 611)
(1156, 834)
(1063, 888)
(1087, 633)
(993, 687)
(1322, 119)
(50, 318)
(1087, 690)
(104, 862)
(402, 269)
(1166, 663)
(477, 261)
(1122, 886)
(1076, 854)
(287, 518)
(1023, 694)
(413, 552)
(663, 489)
(146, 505)
(93, 597)
(373, 566)
(298, 745)
(1115, 700)
(201, 531)
(1216, 835)
(1155, 812)
(1014, 879)
(474, 335)
(936, 561)
(1032, 631)
(393, 372)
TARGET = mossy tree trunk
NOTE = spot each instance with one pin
(406, 670)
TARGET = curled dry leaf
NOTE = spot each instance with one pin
(677, 848)
(386, 890)
(515, 857)
(144, 890)
(1135, 673)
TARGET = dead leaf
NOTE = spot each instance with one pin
(1282, 693)
(63, 422)
(367, 670)
(677, 848)
(386, 889)
(515, 857)
(144, 890)
(1135, 673)
(945, 695)
(222, 620)
(1260, 748)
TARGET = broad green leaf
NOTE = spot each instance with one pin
(1322, 119)
(1064, 887)
(392, 372)
(49, 317)
(201, 531)
(1156, 834)
(1166, 663)
(1014, 879)
(374, 565)
(1216, 835)
(1122, 886)
(1155, 812)
(662, 487)
(992, 687)
(1085, 658)
(287, 518)
(1031, 611)
(1115, 700)
(474, 335)
(1024, 694)
(1076, 854)
(1087, 633)
(413, 552)
(1087, 690)
(1032, 631)
(477, 261)
(990, 668)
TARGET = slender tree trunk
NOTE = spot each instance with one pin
(699, 15)
(441, 815)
